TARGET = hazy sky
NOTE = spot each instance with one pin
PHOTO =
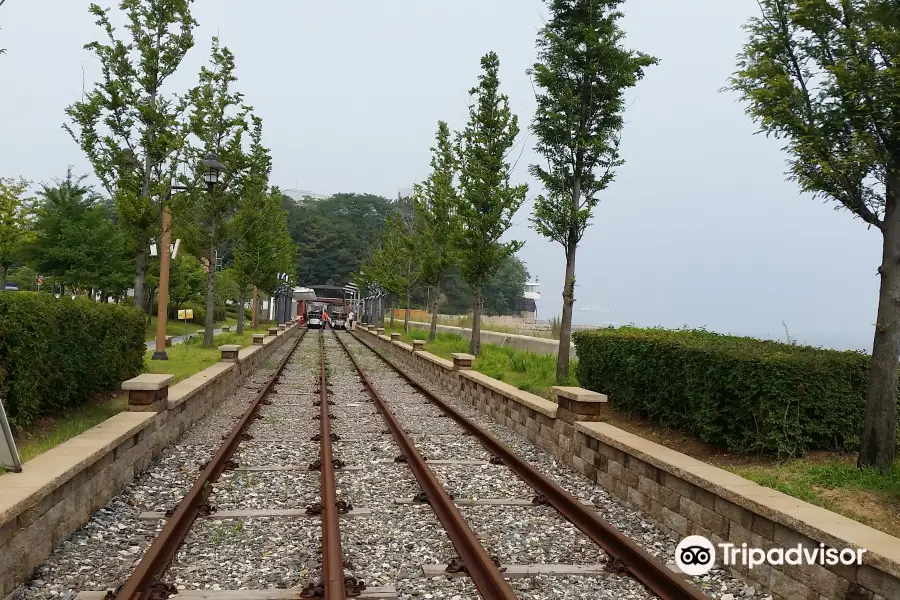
(698, 229)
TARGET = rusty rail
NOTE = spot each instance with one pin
(480, 567)
(658, 578)
(332, 557)
(145, 581)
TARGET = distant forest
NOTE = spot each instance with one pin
(334, 235)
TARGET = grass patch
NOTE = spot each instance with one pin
(836, 484)
(192, 356)
(51, 431)
(177, 328)
(534, 373)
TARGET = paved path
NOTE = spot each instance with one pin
(178, 339)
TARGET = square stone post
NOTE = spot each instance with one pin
(578, 404)
(229, 352)
(418, 345)
(258, 339)
(282, 327)
(273, 331)
(462, 361)
(168, 341)
(395, 337)
(379, 330)
(148, 392)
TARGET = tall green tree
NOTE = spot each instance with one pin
(187, 280)
(437, 224)
(15, 224)
(487, 199)
(395, 266)
(582, 73)
(218, 121)
(823, 76)
(128, 128)
(262, 246)
(76, 240)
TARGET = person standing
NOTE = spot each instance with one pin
(350, 318)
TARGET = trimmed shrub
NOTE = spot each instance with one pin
(56, 353)
(737, 393)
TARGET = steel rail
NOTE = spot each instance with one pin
(658, 578)
(156, 560)
(332, 557)
(481, 569)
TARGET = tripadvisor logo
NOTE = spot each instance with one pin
(695, 555)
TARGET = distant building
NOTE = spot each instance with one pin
(527, 305)
(300, 195)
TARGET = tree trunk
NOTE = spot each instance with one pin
(150, 293)
(210, 298)
(254, 322)
(565, 327)
(477, 309)
(4, 271)
(391, 308)
(241, 300)
(879, 435)
(435, 306)
(406, 312)
(140, 272)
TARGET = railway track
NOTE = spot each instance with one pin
(443, 509)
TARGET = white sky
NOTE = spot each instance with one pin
(699, 228)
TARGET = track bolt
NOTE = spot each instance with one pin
(169, 512)
(496, 460)
(315, 465)
(335, 437)
(316, 438)
(337, 463)
(317, 403)
(421, 497)
(112, 593)
(540, 500)
(343, 506)
(258, 416)
(496, 560)
(246, 437)
(162, 591)
(353, 586)
(401, 459)
(313, 590)
(266, 402)
(314, 509)
(231, 465)
(456, 565)
(205, 510)
(615, 565)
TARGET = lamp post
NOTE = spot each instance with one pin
(214, 171)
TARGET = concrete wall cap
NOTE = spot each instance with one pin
(441, 362)
(148, 381)
(402, 345)
(578, 394)
(462, 356)
(230, 348)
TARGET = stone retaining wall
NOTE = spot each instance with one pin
(683, 496)
(526, 343)
(57, 492)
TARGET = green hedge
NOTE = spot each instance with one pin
(56, 353)
(737, 393)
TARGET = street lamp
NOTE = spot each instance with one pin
(214, 172)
